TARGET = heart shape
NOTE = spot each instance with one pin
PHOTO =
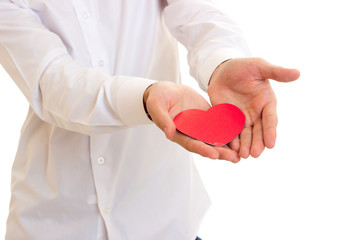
(217, 126)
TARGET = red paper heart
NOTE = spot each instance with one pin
(218, 125)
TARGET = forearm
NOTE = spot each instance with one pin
(62, 91)
(209, 36)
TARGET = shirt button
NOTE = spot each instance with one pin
(101, 160)
(106, 210)
(86, 15)
(101, 63)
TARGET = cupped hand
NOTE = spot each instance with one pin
(244, 82)
(164, 100)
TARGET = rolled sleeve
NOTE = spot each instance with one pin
(209, 35)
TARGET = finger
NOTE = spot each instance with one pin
(257, 145)
(161, 117)
(269, 122)
(195, 146)
(245, 142)
(235, 144)
(225, 153)
(270, 71)
(205, 150)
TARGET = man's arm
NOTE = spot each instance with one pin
(61, 90)
(211, 39)
(208, 34)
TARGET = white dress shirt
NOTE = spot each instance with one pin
(90, 164)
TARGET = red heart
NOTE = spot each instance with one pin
(218, 125)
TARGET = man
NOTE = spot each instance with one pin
(90, 163)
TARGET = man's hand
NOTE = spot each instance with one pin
(244, 83)
(164, 100)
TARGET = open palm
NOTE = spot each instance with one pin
(244, 83)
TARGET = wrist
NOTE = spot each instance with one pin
(145, 97)
(217, 69)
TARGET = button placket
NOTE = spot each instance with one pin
(92, 39)
(101, 168)
(84, 14)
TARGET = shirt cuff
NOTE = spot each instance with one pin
(217, 57)
(129, 101)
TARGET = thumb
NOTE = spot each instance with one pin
(162, 119)
(280, 74)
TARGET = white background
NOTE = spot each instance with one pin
(308, 186)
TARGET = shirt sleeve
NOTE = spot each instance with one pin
(208, 34)
(59, 89)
